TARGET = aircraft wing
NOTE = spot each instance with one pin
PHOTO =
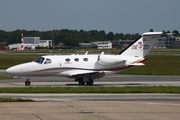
(82, 73)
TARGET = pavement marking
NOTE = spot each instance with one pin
(164, 104)
(115, 76)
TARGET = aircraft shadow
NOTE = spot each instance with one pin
(129, 84)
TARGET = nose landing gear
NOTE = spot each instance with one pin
(27, 82)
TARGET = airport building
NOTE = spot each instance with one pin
(168, 42)
(98, 44)
(86, 45)
(31, 43)
(31, 40)
(104, 45)
(163, 42)
(45, 43)
(121, 43)
(19, 46)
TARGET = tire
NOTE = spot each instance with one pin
(81, 81)
(27, 83)
(90, 82)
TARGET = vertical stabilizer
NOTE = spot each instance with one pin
(142, 45)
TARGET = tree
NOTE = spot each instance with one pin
(176, 32)
(69, 37)
(110, 36)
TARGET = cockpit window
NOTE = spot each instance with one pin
(39, 60)
(47, 61)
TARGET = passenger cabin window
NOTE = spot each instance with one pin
(68, 60)
(76, 59)
(47, 61)
(39, 60)
(85, 59)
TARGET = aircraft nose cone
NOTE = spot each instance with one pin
(10, 71)
(13, 70)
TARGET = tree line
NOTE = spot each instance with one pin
(69, 37)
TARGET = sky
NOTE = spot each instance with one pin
(117, 16)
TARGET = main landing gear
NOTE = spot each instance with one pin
(28, 82)
(81, 81)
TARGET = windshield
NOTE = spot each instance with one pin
(39, 60)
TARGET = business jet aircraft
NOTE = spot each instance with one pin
(86, 68)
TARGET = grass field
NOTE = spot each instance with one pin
(15, 100)
(5, 77)
(158, 65)
(8, 60)
(127, 89)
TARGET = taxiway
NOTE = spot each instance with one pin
(93, 106)
(112, 80)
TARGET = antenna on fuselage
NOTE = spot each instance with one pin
(102, 53)
(86, 53)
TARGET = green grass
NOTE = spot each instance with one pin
(66, 51)
(8, 60)
(158, 65)
(15, 100)
(127, 89)
(6, 77)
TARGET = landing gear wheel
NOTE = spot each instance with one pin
(81, 82)
(90, 82)
(27, 83)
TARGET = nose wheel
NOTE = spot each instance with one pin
(28, 83)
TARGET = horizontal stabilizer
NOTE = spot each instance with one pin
(152, 33)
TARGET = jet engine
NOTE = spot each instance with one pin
(109, 59)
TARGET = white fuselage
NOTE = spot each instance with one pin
(63, 65)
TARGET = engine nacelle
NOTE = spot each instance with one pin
(109, 59)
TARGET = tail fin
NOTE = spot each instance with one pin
(142, 45)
